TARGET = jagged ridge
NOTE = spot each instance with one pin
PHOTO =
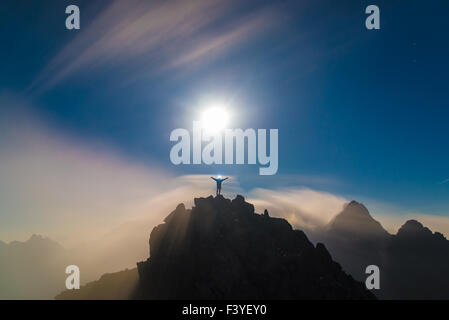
(221, 249)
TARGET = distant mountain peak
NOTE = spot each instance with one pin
(36, 237)
(39, 239)
(413, 224)
(414, 228)
(355, 218)
(36, 242)
(357, 208)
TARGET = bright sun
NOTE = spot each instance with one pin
(214, 119)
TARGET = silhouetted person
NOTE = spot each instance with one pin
(219, 181)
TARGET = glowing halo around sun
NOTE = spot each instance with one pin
(214, 119)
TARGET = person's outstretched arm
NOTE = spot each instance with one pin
(213, 178)
(226, 178)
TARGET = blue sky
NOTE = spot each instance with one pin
(360, 113)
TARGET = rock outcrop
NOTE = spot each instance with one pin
(222, 249)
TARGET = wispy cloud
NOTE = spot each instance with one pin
(152, 36)
(302, 207)
(444, 181)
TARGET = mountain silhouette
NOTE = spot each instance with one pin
(33, 269)
(356, 240)
(418, 264)
(222, 249)
(413, 263)
(356, 220)
(111, 286)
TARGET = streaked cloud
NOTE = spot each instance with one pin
(155, 36)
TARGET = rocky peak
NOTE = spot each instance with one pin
(222, 249)
(413, 228)
(355, 218)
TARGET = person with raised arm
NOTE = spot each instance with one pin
(219, 180)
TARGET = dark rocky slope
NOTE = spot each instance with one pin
(111, 286)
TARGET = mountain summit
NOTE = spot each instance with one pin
(417, 253)
(222, 249)
(356, 240)
(356, 219)
(413, 262)
(413, 228)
